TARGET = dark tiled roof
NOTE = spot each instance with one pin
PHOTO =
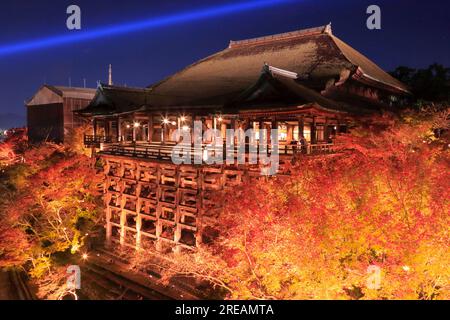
(115, 99)
(286, 90)
(315, 54)
(368, 67)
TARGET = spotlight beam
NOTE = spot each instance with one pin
(119, 29)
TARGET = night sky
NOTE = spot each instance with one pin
(414, 33)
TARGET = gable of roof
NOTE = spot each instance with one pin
(314, 54)
(48, 94)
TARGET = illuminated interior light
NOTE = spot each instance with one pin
(183, 118)
(165, 121)
(219, 119)
(205, 155)
(174, 123)
(136, 124)
(84, 256)
(128, 126)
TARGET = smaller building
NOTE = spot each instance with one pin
(50, 115)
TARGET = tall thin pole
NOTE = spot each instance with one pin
(110, 82)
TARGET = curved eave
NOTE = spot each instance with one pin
(359, 75)
(368, 71)
(312, 108)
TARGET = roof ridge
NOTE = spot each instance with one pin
(123, 88)
(70, 88)
(282, 36)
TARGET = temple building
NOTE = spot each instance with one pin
(307, 80)
(308, 84)
(50, 112)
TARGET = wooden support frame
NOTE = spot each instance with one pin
(162, 203)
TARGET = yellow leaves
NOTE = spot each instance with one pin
(53, 195)
(75, 247)
(41, 266)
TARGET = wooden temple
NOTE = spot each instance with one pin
(308, 84)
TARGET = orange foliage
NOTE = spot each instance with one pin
(383, 201)
(52, 200)
(12, 146)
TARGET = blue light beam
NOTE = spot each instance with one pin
(78, 36)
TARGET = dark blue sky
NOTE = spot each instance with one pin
(414, 33)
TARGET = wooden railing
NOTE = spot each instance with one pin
(154, 150)
(96, 141)
(140, 150)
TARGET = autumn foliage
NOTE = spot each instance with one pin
(368, 222)
(51, 202)
(12, 145)
(382, 201)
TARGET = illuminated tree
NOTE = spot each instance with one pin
(381, 201)
(74, 139)
(51, 204)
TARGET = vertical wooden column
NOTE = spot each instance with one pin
(123, 216)
(134, 130)
(234, 126)
(200, 208)
(105, 127)
(119, 129)
(290, 133)
(177, 231)
(301, 127)
(274, 126)
(138, 231)
(150, 128)
(138, 206)
(165, 132)
(326, 130)
(192, 115)
(261, 136)
(107, 202)
(108, 226)
(158, 244)
(94, 125)
(313, 131)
